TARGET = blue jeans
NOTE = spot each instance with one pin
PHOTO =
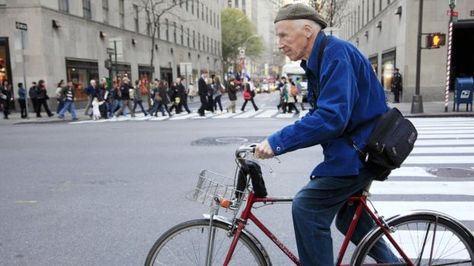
(70, 107)
(314, 209)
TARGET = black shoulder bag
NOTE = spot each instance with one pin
(391, 141)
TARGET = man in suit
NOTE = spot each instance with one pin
(202, 91)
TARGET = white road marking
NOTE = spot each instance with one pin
(422, 188)
(439, 160)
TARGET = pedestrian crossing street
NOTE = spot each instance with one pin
(438, 174)
(261, 113)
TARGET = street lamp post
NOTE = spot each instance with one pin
(417, 102)
(242, 50)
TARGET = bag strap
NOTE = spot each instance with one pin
(314, 90)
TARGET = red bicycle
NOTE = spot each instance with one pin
(417, 238)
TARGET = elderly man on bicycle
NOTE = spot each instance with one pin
(346, 97)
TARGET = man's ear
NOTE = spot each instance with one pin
(308, 31)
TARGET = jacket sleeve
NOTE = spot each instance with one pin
(338, 94)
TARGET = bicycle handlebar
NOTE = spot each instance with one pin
(245, 149)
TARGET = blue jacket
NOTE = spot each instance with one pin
(350, 95)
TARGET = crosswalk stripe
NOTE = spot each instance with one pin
(442, 150)
(411, 172)
(224, 115)
(439, 160)
(285, 115)
(444, 142)
(247, 114)
(182, 117)
(422, 188)
(267, 114)
(460, 210)
(445, 136)
(446, 131)
(159, 118)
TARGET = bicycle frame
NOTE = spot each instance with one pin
(361, 202)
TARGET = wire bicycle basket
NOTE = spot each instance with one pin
(216, 189)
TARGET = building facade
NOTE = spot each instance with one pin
(82, 40)
(386, 32)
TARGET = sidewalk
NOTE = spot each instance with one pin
(431, 109)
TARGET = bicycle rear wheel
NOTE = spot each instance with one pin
(426, 238)
(186, 244)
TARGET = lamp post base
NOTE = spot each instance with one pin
(417, 104)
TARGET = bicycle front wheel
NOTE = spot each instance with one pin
(426, 238)
(187, 244)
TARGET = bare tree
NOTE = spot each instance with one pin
(154, 10)
(333, 11)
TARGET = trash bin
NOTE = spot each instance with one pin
(463, 92)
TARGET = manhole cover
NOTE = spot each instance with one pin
(451, 172)
(209, 141)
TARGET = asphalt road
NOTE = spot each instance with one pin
(101, 194)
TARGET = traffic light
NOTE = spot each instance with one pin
(435, 40)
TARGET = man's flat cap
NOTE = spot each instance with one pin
(299, 11)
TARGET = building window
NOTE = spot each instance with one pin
(202, 11)
(122, 13)
(218, 21)
(388, 64)
(197, 8)
(368, 11)
(208, 50)
(187, 36)
(380, 5)
(363, 14)
(187, 6)
(174, 32)
(358, 17)
(64, 5)
(167, 30)
(373, 8)
(135, 18)
(105, 10)
(80, 73)
(229, 3)
(192, 7)
(86, 8)
(194, 39)
(375, 63)
(236, 4)
(199, 41)
(243, 5)
(182, 35)
(148, 23)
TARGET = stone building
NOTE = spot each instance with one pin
(72, 39)
(386, 32)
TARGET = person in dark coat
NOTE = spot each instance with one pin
(33, 93)
(22, 100)
(232, 90)
(202, 91)
(183, 95)
(397, 86)
(42, 99)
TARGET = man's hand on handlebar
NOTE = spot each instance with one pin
(264, 150)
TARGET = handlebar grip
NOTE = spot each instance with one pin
(245, 149)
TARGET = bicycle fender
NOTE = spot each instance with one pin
(410, 213)
(245, 232)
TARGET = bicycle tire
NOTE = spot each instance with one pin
(186, 244)
(453, 244)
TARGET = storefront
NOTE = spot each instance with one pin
(145, 74)
(374, 61)
(80, 73)
(166, 74)
(388, 65)
(123, 70)
(5, 67)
